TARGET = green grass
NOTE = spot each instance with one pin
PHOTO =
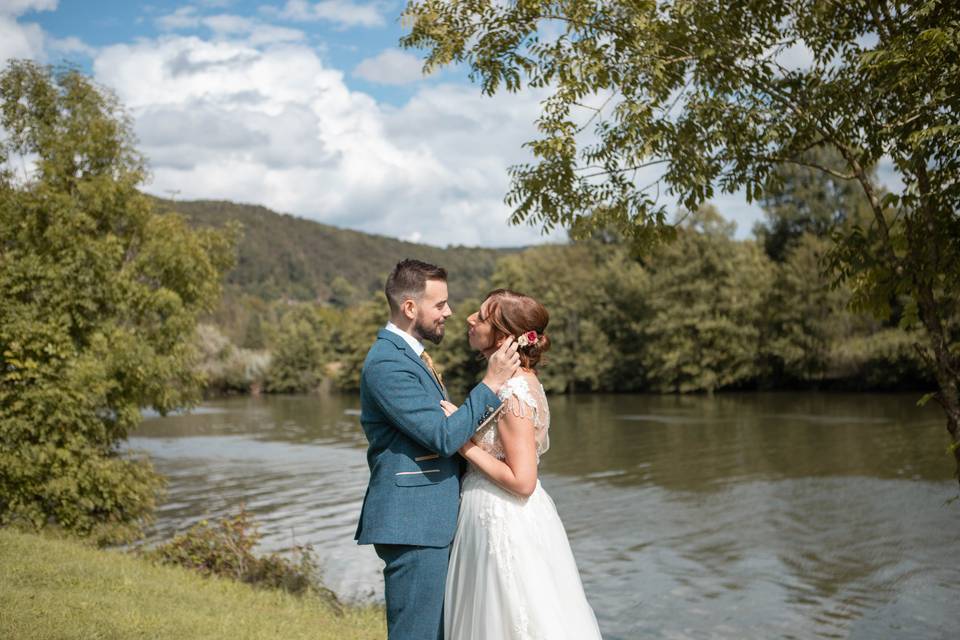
(61, 589)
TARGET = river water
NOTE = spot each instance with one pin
(762, 515)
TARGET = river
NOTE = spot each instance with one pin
(755, 515)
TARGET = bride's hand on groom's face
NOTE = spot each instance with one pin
(503, 364)
(448, 408)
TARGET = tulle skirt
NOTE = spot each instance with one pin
(512, 574)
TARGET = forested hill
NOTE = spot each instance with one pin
(281, 256)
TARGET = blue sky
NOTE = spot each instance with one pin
(308, 108)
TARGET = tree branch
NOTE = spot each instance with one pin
(813, 165)
(607, 172)
(596, 111)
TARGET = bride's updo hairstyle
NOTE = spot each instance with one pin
(513, 314)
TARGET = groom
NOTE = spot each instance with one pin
(410, 510)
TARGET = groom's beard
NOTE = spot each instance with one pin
(432, 333)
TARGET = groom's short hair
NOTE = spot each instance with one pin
(408, 280)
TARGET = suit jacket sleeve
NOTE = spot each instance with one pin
(400, 395)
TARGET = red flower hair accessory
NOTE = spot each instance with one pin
(526, 339)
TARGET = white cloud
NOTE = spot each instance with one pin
(70, 45)
(268, 34)
(28, 40)
(20, 7)
(182, 18)
(343, 13)
(274, 125)
(20, 40)
(226, 25)
(391, 66)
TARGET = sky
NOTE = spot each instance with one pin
(308, 108)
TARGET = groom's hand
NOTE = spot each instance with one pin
(503, 365)
(448, 408)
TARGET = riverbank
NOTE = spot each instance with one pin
(62, 589)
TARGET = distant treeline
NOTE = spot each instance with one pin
(701, 313)
(281, 257)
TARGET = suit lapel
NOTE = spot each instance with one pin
(400, 344)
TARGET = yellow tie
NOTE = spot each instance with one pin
(429, 362)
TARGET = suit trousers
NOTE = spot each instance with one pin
(414, 579)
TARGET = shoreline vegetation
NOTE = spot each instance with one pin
(64, 589)
(705, 313)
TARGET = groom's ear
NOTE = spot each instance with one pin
(409, 309)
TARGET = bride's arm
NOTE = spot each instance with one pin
(518, 473)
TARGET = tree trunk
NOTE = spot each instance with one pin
(945, 366)
(925, 260)
(945, 370)
(953, 421)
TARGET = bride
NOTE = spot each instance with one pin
(511, 573)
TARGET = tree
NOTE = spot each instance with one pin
(342, 292)
(355, 332)
(805, 317)
(580, 356)
(100, 299)
(705, 294)
(809, 201)
(300, 352)
(625, 285)
(253, 337)
(706, 93)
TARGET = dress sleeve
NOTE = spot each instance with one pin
(515, 394)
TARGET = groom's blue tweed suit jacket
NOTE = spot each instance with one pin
(414, 491)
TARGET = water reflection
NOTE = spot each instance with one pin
(699, 443)
(739, 516)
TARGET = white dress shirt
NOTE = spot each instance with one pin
(410, 340)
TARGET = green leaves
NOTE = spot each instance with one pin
(300, 352)
(101, 296)
(717, 93)
(705, 296)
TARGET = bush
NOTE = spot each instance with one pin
(227, 368)
(886, 359)
(225, 548)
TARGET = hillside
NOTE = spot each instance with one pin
(281, 256)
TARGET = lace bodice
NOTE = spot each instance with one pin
(523, 399)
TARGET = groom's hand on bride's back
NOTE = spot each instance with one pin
(503, 364)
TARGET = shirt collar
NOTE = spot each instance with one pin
(409, 339)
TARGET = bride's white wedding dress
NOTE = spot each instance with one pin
(512, 574)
